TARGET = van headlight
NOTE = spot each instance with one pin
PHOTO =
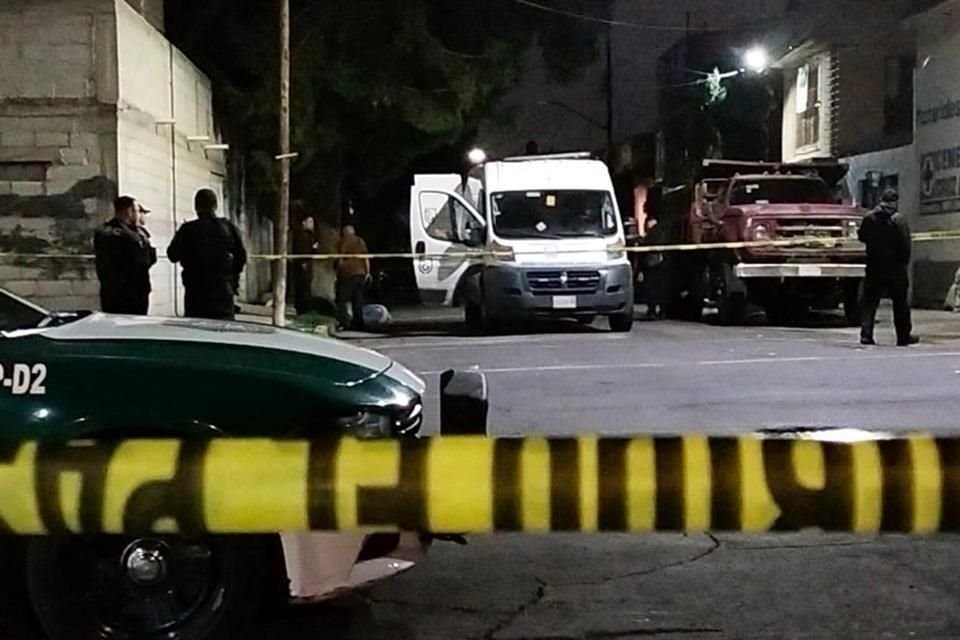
(502, 253)
(367, 425)
(616, 251)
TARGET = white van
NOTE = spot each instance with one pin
(551, 234)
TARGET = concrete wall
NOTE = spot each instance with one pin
(56, 117)
(937, 147)
(158, 164)
(861, 113)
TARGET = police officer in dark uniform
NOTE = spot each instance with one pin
(211, 251)
(124, 257)
(887, 235)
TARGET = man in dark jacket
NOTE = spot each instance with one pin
(211, 251)
(655, 271)
(124, 257)
(887, 236)
(304, 244)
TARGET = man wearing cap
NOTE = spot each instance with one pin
(124, 257)
(887, 236)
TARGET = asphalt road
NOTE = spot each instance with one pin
(678, 377)
(671, 377)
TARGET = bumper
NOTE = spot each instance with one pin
(791, 270)
(321, 566)
(508, 292)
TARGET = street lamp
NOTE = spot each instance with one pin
(756, 59)
(477, 156)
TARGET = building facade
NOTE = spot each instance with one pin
(94, 103)
(937, 149)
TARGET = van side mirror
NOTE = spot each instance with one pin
(631, 231)
(472, 236)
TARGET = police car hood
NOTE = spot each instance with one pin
(98, 326)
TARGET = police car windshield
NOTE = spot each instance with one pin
(553, 214)
(782, 190)
(17, 314)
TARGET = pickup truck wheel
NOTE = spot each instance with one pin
(153, 588)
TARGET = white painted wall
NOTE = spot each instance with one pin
(157, 161)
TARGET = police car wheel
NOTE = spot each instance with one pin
(118, 588)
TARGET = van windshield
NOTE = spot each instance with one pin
(554, 214)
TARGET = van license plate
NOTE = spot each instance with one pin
(810, 271)
(565, 302)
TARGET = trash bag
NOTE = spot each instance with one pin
(376, 316)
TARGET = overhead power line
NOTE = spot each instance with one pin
(606, 21)
(644, 26)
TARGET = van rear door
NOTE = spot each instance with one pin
(440, 218)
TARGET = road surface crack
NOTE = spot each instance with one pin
(714, 546)
(442, 607)
(519, 611)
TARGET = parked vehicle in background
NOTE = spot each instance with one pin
(550, 232)
(751, 202)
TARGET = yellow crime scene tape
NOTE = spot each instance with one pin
(477, 485)
(925, 236)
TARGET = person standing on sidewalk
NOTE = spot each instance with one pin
(124, 257)
(213, 257)
(887, 236)
(304, 244)
(655, 270)
(353, 275)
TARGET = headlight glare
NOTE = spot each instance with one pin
(367, 425)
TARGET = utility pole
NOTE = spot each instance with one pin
(282, 228)
(610, 138)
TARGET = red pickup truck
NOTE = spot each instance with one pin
(758, 202)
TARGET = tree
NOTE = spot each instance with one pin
(376, 83)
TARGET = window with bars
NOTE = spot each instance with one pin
(808, 105)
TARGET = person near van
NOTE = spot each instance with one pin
(211, 251)
(886, 234)
(654, 270)
(304, 244)
(353, 275)
(124, 257)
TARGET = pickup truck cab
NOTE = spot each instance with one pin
(523, 238)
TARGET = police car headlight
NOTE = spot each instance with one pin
(367, 425)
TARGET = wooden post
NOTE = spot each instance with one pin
(282, 228)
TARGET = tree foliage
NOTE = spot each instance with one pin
(375, 83)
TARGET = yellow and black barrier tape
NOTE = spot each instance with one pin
(474, 485)
(803, 242)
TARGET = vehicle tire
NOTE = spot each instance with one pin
(473, 317)
(732, 309)
(621, 322)
(852, 295)
(121, 588)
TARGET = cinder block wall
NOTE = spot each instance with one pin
(57, 144)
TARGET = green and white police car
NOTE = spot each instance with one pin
(72, 376)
